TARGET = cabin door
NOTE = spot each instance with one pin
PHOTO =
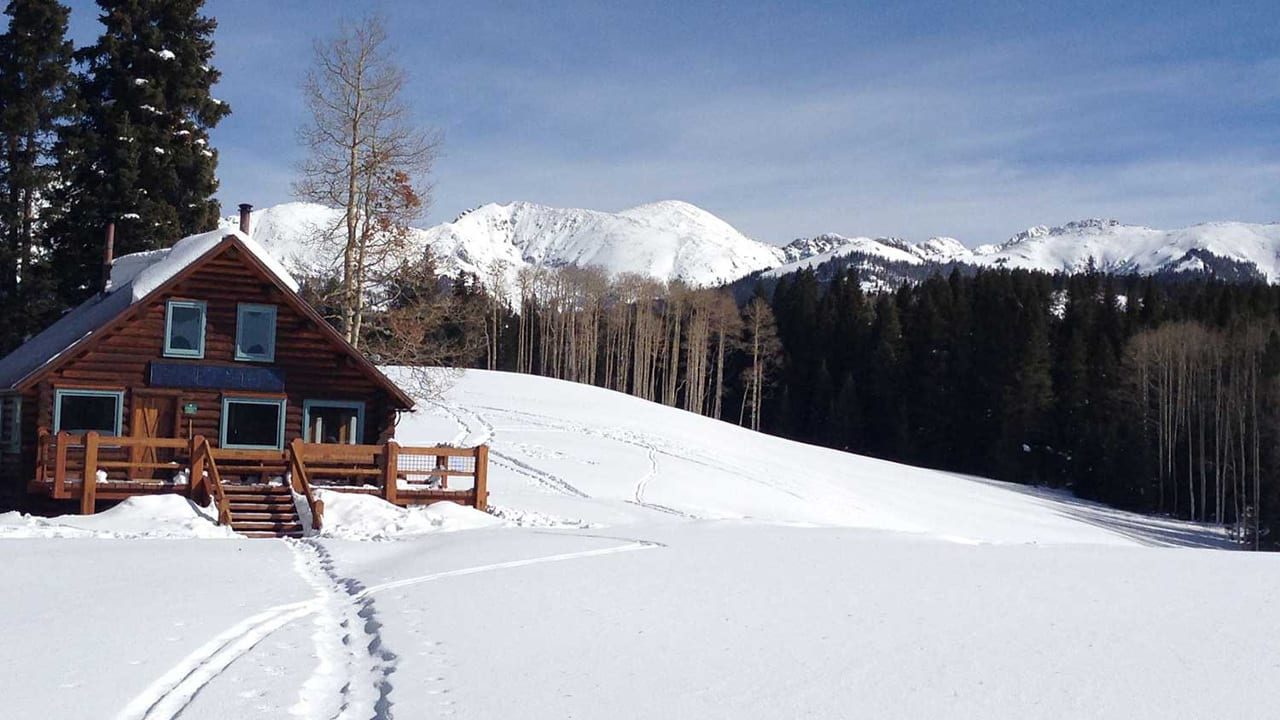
(153, 416)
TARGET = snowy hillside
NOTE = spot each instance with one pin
(586, 454)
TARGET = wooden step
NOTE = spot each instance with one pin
(268, 534)
(274, 499)
(266, 526)
(234, 489)
(265, 514)
(258, 507)
(263, 511)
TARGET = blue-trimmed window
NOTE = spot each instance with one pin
(79, 411)
(255, 332)
(184, 323)
(252, 423)
(333, 421)
(10, 423)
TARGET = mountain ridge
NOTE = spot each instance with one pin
(672, 240)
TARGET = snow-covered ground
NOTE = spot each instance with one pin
(641, 562)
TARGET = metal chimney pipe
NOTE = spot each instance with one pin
(108, 255)
(245, 209)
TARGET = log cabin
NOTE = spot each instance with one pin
(199, 370)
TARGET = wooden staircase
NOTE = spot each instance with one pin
(263, 511)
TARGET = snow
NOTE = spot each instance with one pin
(364, 517)
(641, 562)
(147, 517)
(146, 271)
(164, 54)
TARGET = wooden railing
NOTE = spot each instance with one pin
(401, 475)
(96, 453)
(384, 466)
(202, 454)
(302, 484)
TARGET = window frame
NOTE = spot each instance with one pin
(203, 307)
(14, 442)
(270, 355)
(60, 393)
(357, 405)
(227, 400)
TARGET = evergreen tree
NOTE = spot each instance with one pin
(35, 72)
(138, 154)
(886, 410)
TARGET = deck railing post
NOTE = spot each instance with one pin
(482, 477)
(89, 494)
(60, 465)
(42, 454)
(197, 488)
(390, 471)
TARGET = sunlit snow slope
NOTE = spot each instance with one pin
(570, 451)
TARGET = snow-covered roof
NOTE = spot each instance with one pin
(133, 278)
(146, 271)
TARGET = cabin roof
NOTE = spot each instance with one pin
(136, 277)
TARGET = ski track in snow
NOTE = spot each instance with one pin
(643, 483)
(346, 614)
(170, 694)
(540, 477)
(351, 681)
(547, 478)
(641, 441)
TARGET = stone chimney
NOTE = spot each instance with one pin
(108, 254)
(245, 209)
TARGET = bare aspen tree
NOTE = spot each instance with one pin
(762, 344)
(365, 156)
(728, 324)
(496, 280)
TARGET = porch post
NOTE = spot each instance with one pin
(390, 471)
(89, 496)
(60, 465)
(482, 478)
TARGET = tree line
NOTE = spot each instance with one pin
(1152, 394)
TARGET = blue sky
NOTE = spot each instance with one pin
(790, 119)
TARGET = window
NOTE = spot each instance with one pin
(333, 421)
(79, 411)
(184, 328)
(252, 423)
(10, 423)
(256, 332)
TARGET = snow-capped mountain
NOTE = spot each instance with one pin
(667, 240)
(674, 240)
(1111, 246)
(1230, 249)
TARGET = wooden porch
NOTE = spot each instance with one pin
(124, 467)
